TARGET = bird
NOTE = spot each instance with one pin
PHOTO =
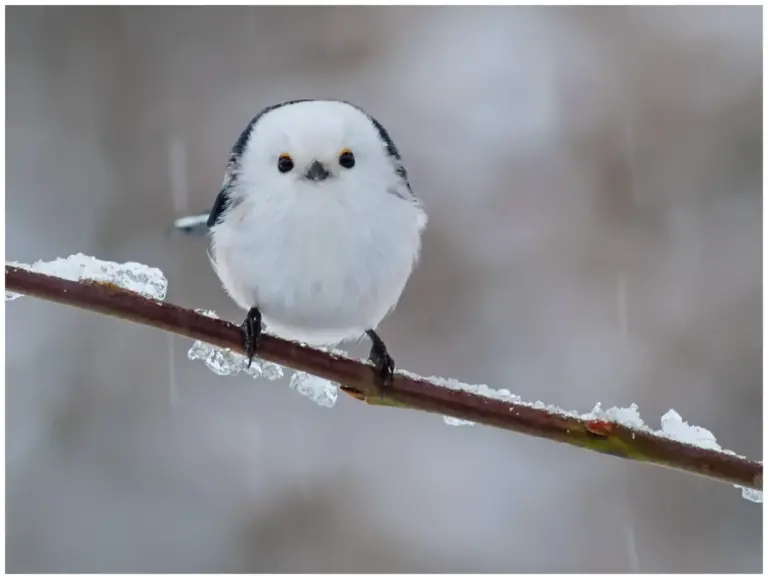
(316, 230)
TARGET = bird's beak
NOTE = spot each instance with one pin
(316, 172)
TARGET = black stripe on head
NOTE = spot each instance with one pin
(384, 136)
(223, 199)
(239, 146)
(390, 146)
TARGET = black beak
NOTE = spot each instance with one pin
(316, 172)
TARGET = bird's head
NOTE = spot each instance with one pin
(316, 147)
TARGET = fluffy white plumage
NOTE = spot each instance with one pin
(322, 260)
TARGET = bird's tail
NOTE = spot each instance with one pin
(193, 225)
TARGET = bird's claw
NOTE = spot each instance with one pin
(385, 368)
(251, 333)
(382, 361)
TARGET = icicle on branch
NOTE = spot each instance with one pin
(616, 432)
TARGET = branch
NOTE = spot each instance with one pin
(359, 380)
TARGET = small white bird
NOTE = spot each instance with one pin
(316, 229)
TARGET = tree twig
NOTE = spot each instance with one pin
(359, 380)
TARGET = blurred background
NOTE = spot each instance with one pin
(593, 179)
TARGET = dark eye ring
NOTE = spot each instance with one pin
(284, 163)
(347, 159)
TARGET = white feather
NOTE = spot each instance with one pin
(323, 261)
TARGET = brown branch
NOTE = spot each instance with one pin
(359, 381)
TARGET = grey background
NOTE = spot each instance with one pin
(593, 179)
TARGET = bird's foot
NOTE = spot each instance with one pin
(382, 361)
(252, 333)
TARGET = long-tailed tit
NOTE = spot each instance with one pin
(316, 230)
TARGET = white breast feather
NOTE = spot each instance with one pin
(320, 270)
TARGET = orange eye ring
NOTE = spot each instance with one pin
(346, 159)
(284, 163)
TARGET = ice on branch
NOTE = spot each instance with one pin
(450, 421)
(225, 362)
(150, 283)
(752, 495)
(319, 390)
(142, 279)
(673, 426)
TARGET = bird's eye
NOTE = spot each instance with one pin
(284, 163)
(347, 159)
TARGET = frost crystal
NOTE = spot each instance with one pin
(319, 390)
(142, 279)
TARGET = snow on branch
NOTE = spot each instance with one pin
(134, 292)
